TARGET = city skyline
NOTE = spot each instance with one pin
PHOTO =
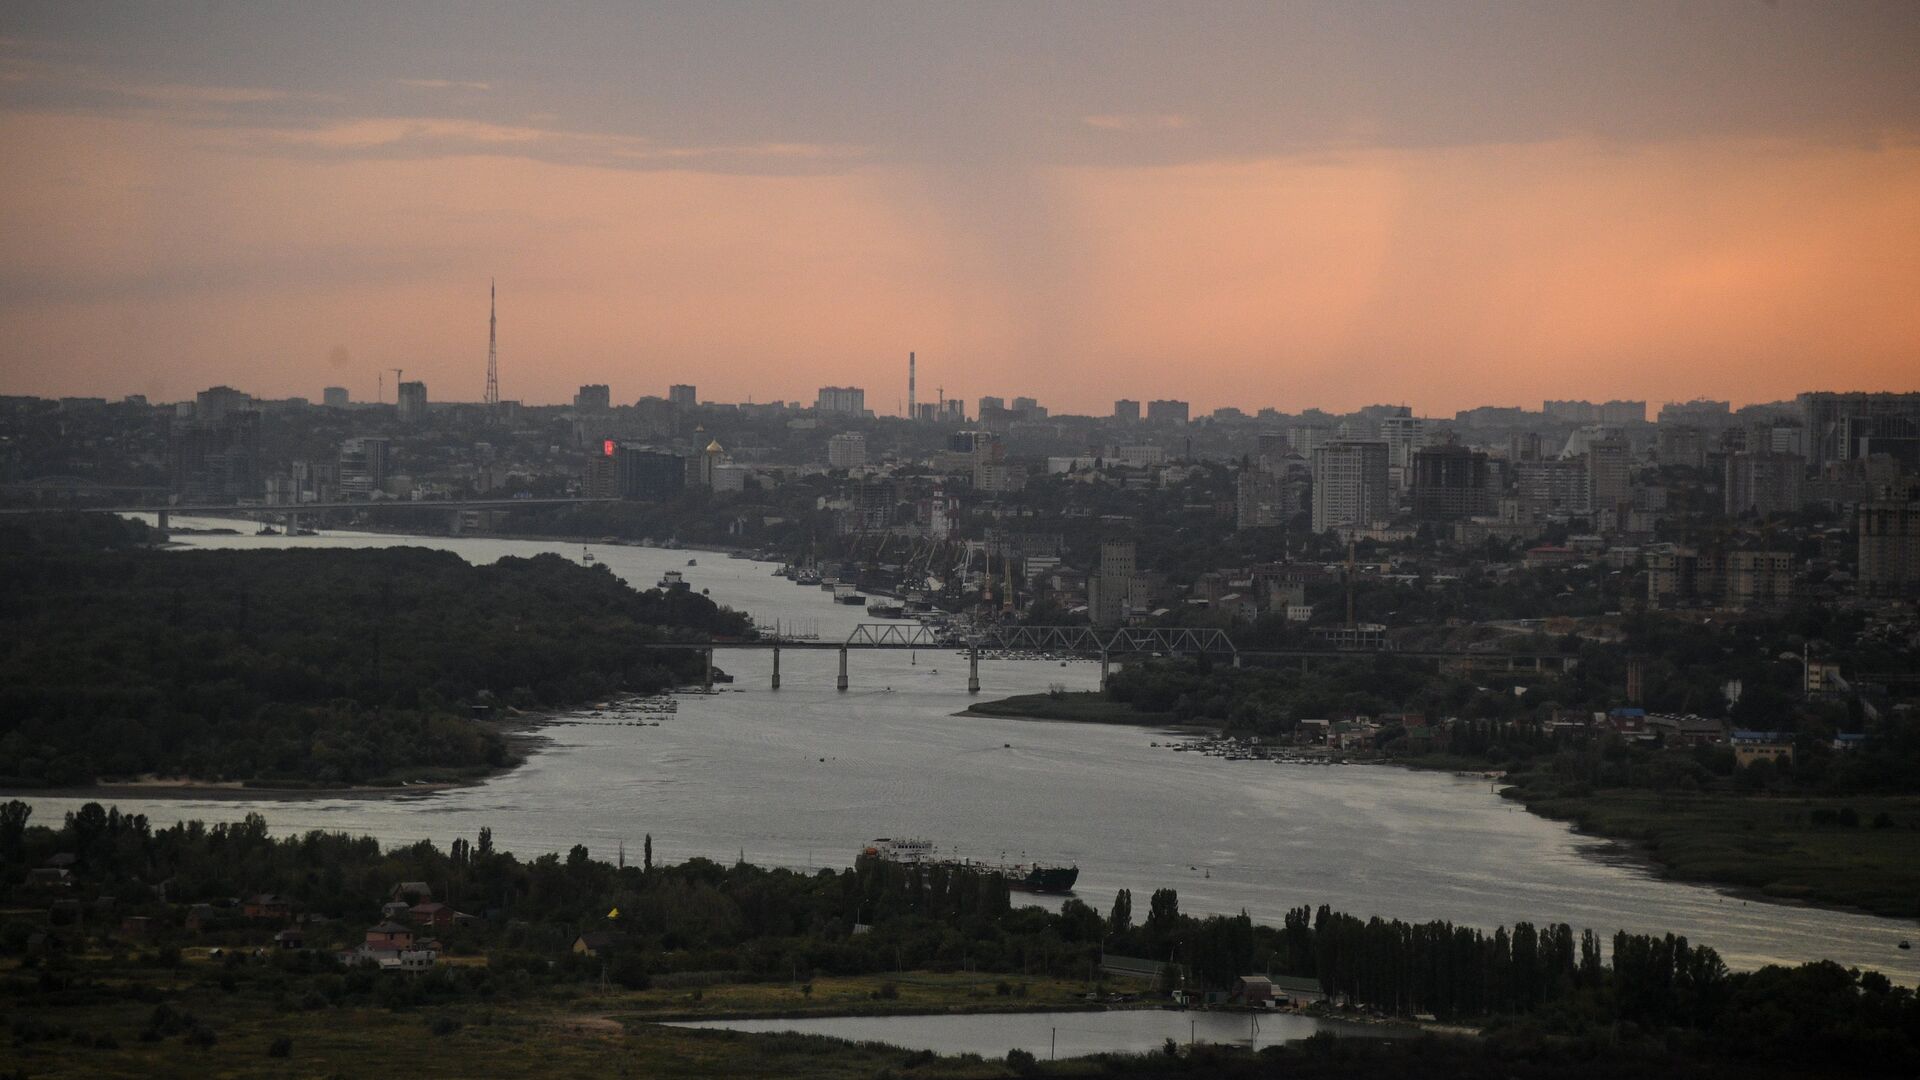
(1441, 205)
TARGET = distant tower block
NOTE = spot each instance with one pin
(1636, 679)
(910, 374)
(493, 349)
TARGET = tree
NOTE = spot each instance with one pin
(1121, 920)
(646, 857)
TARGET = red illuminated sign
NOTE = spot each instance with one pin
(607, 447)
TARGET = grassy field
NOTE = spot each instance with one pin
(563, 1031)
(1086, 706)
(911, 992)
(1767, 844)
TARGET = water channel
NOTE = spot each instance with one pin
(1061, 1034)
(804, 775)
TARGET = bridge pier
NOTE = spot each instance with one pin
(776, 665)
(709, 674)
(842, 684)
(973, 670)
(1103, 671)
(160, 520)
(453, 525)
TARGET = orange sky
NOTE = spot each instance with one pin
(188, 241)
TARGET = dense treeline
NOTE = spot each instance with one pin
(744, 922)
(329, 666)
(1499, 728)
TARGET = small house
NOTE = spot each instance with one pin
(136, 926)
(202, 916)
(267, 906)
(599, 943)
(389, 936)
(1752, 746)
(413, 892)
(50, 877)
(290, 939)
(438, 914)
(1296, 991)
(1255, 990)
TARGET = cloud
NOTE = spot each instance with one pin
(1136, 121)
(446, 84)
(405, 137)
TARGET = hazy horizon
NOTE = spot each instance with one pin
(1311, 205)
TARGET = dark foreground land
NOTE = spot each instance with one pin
(218, 950)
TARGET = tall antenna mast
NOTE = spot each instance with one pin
(910, 373)
(493, 351)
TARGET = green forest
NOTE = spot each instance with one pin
(289, 667)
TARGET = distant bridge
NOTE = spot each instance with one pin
(1105, 643)
(291, 512)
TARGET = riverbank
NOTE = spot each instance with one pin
(521, 732)
(1761, 847)
(1077, 706)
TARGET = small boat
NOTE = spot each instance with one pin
(267, 530)
(671, 581)
(693, 562)
(585, 555)
(1905, 944)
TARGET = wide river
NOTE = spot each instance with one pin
(804, 775)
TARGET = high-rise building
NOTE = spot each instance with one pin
(1110, 592)
(413, 402)
(1306, 438)
(682, 395)
(601, 478)
(1449, 483)
(1699, 413)
(1683, 444)
(1403, 433)
(1259, 500)
(1350, 485)
(847, 450)
(1127, 411)
(1167, 412)
(1557, 486)
(644, 473)
(1523, 446)
(1717, 577)
(593, 397)
(1846, 427)
(1622, 412)
(364, 464)
(844, 400)
(1764, 483)
(1890, 543)
(212, 405)
(216, 460)
(992, 404)
(334, 397)
(1609, 472)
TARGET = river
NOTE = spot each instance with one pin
(804, 775)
